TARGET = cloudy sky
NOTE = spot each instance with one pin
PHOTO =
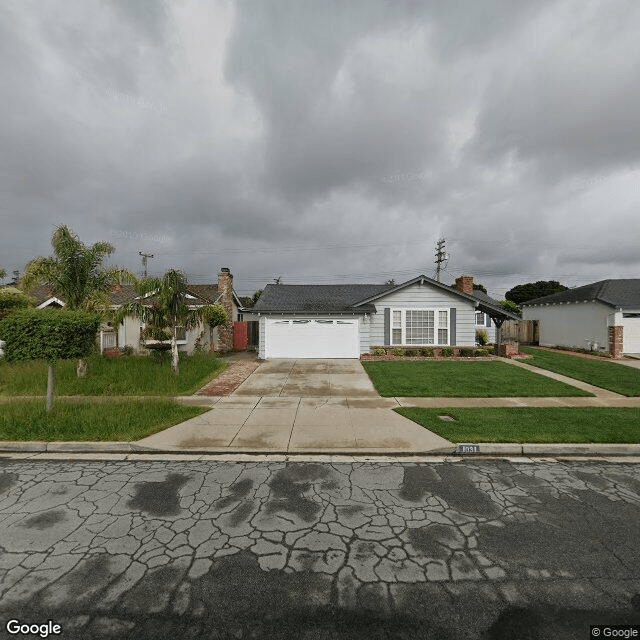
(323, 140)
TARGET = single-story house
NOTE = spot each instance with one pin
(129, 332)
(603, 316)
(347, 320)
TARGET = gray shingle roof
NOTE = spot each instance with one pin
(317, 298)
(623, 293)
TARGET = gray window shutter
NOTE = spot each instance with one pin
(452, 326)
(387, 326)
(488, 319)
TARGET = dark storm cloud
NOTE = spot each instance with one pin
(326, 141)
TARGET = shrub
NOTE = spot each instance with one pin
(12, 299)
(467, 352)
(413, 352)
(398, 352)
(482, 337)
(127, 350)
(379, 352)
(483, 352)
(448, 352)
(428, 352)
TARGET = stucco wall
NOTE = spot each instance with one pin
(571, 325)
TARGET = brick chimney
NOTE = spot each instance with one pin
(225, 287)
(465, 284)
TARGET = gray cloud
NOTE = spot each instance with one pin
(333, 141)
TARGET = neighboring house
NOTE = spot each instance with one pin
(603, 316)
(128, 333)
(344, 321)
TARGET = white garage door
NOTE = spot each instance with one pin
(318, 338)
(631, 332)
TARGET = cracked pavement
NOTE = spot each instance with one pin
(474, 549)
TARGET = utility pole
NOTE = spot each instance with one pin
(441, 256)
(145, 256)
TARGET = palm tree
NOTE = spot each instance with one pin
(166, 309)
(75, 273)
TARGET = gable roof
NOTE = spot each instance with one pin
(352, 298)
(613, 293)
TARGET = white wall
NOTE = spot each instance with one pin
(571, 325)
(424, 296)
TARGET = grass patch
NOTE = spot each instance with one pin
(600, 373)
(528, 425)
(131, 376)
(119, 421)
(462, 380)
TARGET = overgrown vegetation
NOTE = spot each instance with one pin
(133, 375)
(104, 421)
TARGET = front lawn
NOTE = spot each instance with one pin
(607, 375)
(125, 376)
(527, 424)
(71, 420)
(462, 380)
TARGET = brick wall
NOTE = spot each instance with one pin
(615, 342)
(465, 284)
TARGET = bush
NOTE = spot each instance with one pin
(379, 352)
(11, 300)
(413, 352)
(127, 350)
(467, 352)
(428, 352)
(47, 334)
(447, 352)
(483, 352)
(398, 352)
(482, 337)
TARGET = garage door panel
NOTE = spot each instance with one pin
(631, 334)
(318, 338)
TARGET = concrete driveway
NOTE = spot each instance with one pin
(302, 406)
(309, 378)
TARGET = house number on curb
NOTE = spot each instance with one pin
(468, 448)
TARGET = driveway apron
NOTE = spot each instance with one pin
(302, 406)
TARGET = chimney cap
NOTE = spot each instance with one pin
(225, 269)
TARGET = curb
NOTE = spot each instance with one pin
(464, 450)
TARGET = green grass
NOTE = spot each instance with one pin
(71, 420)
(607, 375)
(527, 424)
(135, 375)
(462, 380)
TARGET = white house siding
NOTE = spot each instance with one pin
(261, 341)
(424, 296)
(571, 325)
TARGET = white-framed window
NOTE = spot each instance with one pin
(480, 319)
(420, 326)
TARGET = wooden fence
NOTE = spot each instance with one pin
(522, 331)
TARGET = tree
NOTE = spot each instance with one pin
(12, 299)
(75, 274)
(531, 290)
(510, 306)
(166, 310)
(479, 287)
(3, 274)
(50, 335)
(249, 301)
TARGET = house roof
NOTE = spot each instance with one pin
(623, 293)
(318, 298)
(352, 298)
(204, 294)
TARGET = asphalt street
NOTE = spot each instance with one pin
(451, 550)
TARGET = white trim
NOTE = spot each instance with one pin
(436, 326)
(46, 303)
